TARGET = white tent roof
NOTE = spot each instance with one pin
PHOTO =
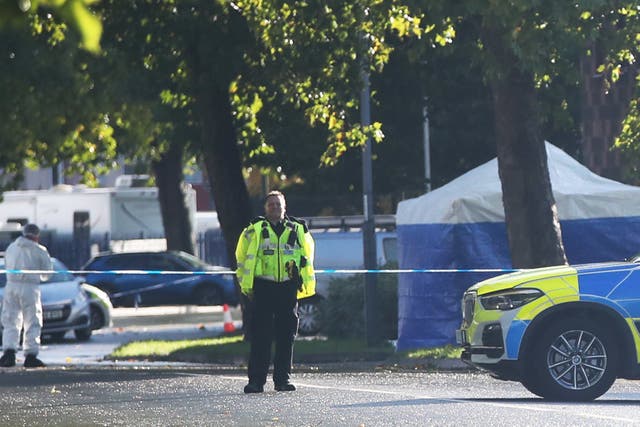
(476, 196)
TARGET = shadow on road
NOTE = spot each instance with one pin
(18, 377)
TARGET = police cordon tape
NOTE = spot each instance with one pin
(221, 272)
(138, 291)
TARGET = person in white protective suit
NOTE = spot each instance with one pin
(21, 304)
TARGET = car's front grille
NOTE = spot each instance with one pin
(468, 304)
(56, 313)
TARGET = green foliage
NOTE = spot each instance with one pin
(50, 109)
(343, 311)
(314, 55)
(304, 67)
(156, 57)
(16, 13)
(545, 37)
(459, 111)
(629, 141)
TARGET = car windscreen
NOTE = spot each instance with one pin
(193, 261)
(61, 274)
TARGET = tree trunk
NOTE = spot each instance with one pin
(224, 170)
(224, 167)
(603, 110)
(175, 214)
(214, 66)
(531, 216)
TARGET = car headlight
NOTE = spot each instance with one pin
(508, 300)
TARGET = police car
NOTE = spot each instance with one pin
(565, 332)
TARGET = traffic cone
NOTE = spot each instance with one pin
(228, 322)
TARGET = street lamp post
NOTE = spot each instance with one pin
(368, 228)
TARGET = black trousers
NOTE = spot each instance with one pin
(274, 318)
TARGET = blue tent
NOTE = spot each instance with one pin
(461, 226)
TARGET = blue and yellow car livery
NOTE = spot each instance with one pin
(565, 332)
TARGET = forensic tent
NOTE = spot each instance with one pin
(460, 226)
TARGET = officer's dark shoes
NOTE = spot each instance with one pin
(253, 388)
(285, 387)
(31, 361)
(8, 359)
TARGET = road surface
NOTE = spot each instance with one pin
(79, 388)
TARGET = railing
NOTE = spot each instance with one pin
(210, 245)
(348, 222)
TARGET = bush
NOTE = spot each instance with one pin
(343, 313)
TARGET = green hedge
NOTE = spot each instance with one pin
(342, 314)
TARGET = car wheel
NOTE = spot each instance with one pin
(574, 360)
(96, 318)
(309, 317)
(533, 385)
(83, 334)
(208, 295)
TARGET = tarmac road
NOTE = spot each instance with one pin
(206, 396)
(79, 388)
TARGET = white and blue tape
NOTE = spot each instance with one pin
(217, 272)
(137, 292)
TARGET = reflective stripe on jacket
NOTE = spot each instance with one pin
(261, 253)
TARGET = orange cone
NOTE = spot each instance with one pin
(228, 322)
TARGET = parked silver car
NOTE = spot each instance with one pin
(65, 306)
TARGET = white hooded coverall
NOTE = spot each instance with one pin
(21, 298)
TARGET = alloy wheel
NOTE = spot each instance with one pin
(577, 360)
(308, 318)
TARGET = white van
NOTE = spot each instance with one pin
(340, 250)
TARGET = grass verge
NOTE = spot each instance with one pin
(234, 350)
(446, 352)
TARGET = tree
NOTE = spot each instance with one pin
(316, 53)
(311, 64)
(214, 54)
(522, 46)
(203, 52)
(154, 125)
(47, 102)
(16, 13)
(533, 227)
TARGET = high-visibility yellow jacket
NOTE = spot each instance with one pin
(261, 253)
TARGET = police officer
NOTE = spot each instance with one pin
(275, 269)
(21, 302)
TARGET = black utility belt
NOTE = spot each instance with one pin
(271, 282)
